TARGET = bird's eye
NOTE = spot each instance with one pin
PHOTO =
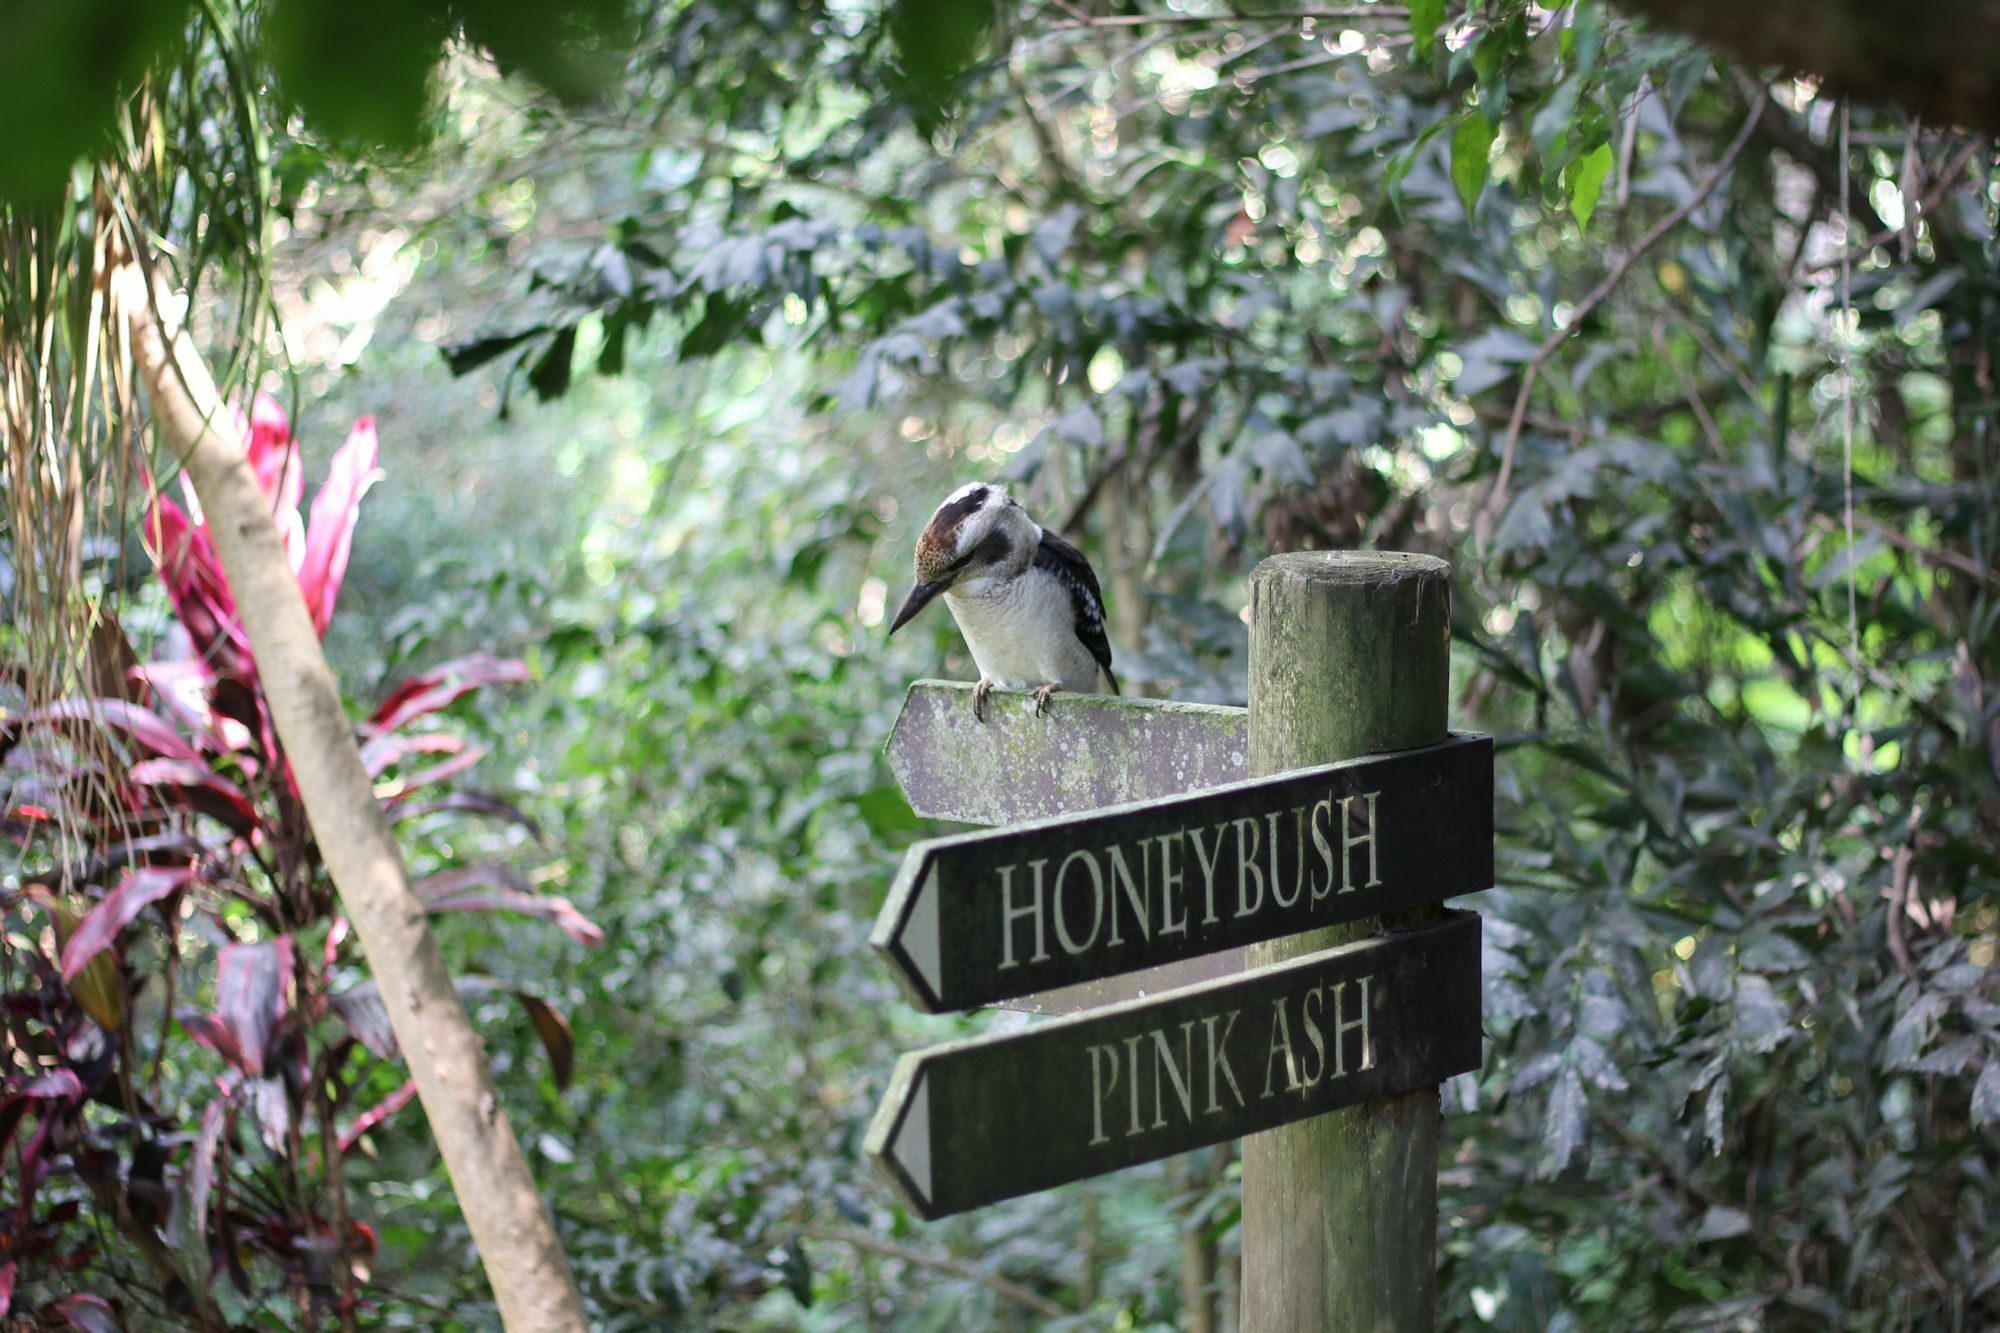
(995, 549)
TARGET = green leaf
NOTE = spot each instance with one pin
(1426, 17)
(550, 374)
(1586, 182)
(465, 357)
(64, 69)
(1986, 1093)
(360, 72)
(1564, 1122)
(1552, 123)
(1400, 164)
(1471, 146)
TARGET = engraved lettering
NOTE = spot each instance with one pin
(1132, 1079)
(1135, 894)
(1103, 1063)
(1349, 841)
(1299, 862)
(1343, 1026)
(1163, 1058)
(1070, 944)
(1009, 914)
(1171, 879)
(1311, 1026)
(1218, 1059)
(1208, 861)
(1281, 1048)
(1320, 891)
(1248, 838)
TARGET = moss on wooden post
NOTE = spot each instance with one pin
(1349, 655)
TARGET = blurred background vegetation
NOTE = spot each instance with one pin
(677, 321)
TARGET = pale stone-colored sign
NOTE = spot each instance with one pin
(1087, 751)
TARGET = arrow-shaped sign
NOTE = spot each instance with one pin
(1089, 751)
(981, 917)
(973, 1122)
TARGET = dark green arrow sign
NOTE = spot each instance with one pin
(981, 917)
(973, 1122)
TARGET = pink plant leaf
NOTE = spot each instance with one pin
(55, 1085)
(558, 910)
(360, 1007)
(185, 555)
(274, 454)
(336, 935)
(146, 728)
(6, 1288)
(271, 1108)
(436, 773)
(201, 787)
(210, 1031)
(491, 887)
(376, 1114)
(248, 735)
(384, 750)
(181, 689)
(330, 531)
(252, 995)
(450, 883)
(438, 687)
(470, 802)
(137, 890)
(88, 1314)
(187, 1224)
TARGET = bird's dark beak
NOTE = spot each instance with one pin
(919, 598)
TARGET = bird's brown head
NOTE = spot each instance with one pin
(979, 530)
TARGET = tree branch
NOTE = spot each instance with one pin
(517, 1242)
(1940, 59)
(1533, 366)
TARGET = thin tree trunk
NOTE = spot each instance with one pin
(517, 1242)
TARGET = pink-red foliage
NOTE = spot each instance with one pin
(186, 868)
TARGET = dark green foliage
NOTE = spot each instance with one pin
(936, 42)
(1202, 291)
(359, 70)
(63, 66)
(1740, 1000)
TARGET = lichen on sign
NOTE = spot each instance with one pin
(1086, 752)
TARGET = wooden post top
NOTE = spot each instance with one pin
(1353, 566)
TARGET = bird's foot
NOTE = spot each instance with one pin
(979, 693)
(1042, 697)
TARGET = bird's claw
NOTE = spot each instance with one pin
(1042, 697)
(979, 693)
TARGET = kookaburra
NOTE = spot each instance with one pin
(1025, 599)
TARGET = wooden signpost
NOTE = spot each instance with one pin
(1211, 886)
(982, 917)
(974, 1122)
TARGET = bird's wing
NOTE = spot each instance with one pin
(1058, 557)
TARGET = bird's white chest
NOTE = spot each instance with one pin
(1021, 632)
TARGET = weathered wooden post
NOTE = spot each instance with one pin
(1349, 655)
(1135, 863)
